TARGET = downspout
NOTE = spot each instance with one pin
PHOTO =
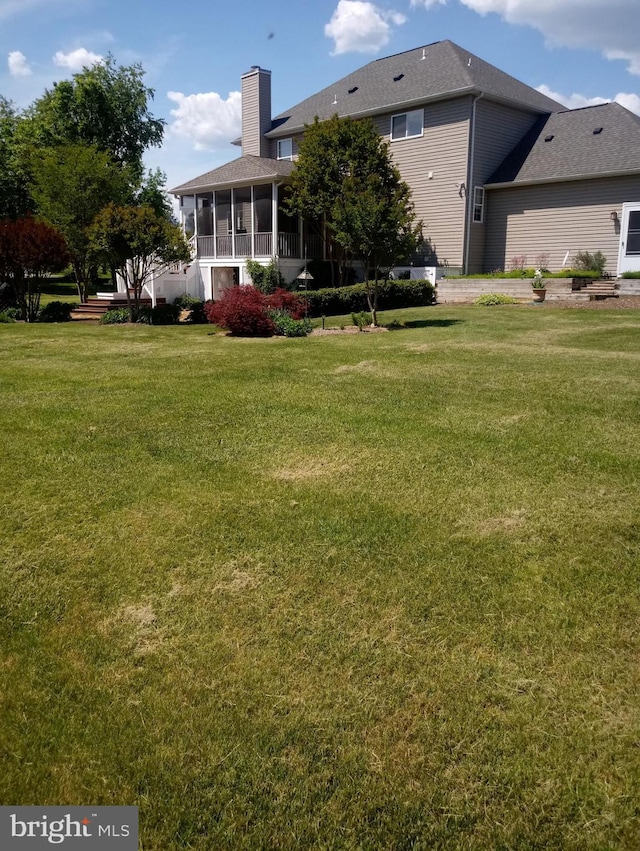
(469, 193)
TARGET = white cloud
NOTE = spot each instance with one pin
(573, 101)
(578, 101)
(588, 24)
(629, 101)
(358, 25)
(206, 119)
(78, 59)
(18, 65)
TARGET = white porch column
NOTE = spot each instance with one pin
(253, 227)
(215, 225)
(233, 223)
(274, 219)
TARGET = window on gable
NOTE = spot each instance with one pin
(407, 124)
(478, 204)
(285, 149)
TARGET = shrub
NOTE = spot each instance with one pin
(584, 261)
(286, 326)
(197, 316)
(266, 279)
(632, 275)
(194, 306)
(56, 311)
(5, 319)
(186, 301)
(361, 319)
(116, 316)
(353, 299)
(12, 312)
(145, 315)
(577, 273)
(242, 311)
(164, 314)
(491, 299)
(284, 301)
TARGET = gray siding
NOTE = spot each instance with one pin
(555, 219)
(256, 112)
(442, 152)
(498, 129)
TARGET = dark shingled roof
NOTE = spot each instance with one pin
(406, 78)
(590, 142)
(245, 169)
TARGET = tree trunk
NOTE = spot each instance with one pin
(81, 282)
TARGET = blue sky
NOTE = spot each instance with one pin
(577, 51)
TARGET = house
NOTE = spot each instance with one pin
(496, 170)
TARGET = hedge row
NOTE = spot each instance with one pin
(353, 299)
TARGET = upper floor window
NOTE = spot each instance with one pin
(407, 124)
(478, 204)
(285, 149)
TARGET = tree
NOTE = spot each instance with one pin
(152, 193)
(344, 175)
(15, 200)
(135, 241)
(105, 106)
(71, 184)
(375, 222)
(29, 251)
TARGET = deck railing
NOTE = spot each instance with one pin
(263, 244)
(289, 245)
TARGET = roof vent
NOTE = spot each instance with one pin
(548, 138)
(354, 89)
(597, 131)
(424, 54)
(398, 77)
(469, 63)
(335, 100)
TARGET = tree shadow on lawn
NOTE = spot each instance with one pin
(425, 323)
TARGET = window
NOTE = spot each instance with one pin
(407, 124)
(478, 204)
(285, 149)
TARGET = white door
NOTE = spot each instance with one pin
(629, 253)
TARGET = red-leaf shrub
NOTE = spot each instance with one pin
(291, 303)
(242, 311)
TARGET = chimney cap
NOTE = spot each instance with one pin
(256, 69)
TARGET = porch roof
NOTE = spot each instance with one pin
(247, 169)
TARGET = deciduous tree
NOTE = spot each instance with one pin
(376, 223)
(30, 250)
(15, 200)
(135, 241)
(105, 106)
(71, 184)
(344, 177)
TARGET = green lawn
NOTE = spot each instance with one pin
(374, 591)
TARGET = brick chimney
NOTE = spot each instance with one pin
(256, 112)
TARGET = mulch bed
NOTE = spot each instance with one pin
(348, 329)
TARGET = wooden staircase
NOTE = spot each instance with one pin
(95, 307)
(605, 288)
